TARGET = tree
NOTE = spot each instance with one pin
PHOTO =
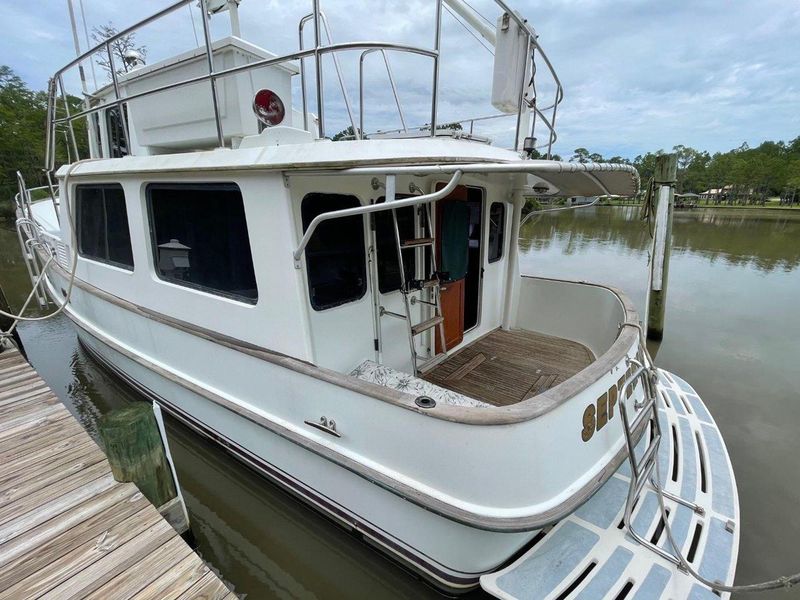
(121, 49)
(580, 155)
(22, 136)
(345, 134)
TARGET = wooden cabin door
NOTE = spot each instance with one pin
(451, 296)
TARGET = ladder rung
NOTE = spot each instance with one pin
(425, 325)
(432, 362)
(415, 242)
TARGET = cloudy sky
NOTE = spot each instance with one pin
(638, 75)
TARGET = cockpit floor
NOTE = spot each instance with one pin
(506, 367)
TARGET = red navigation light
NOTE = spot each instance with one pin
(268, 107)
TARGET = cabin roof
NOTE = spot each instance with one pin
(322, 154)
(570, 179)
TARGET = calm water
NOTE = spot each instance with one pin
(732, 331)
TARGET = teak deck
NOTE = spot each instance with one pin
(67, 529)
(506, 367)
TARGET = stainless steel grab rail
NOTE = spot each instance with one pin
(370, 208)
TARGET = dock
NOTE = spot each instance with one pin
(67, 528)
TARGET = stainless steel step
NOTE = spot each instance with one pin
(416, 242)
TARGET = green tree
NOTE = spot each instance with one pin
(22, 136)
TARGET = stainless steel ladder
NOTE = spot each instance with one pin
(429, 289)
(642, 469)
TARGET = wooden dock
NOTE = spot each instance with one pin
(67, 528)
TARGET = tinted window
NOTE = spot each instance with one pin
(497, 221)
(388, 265)
(200, 240)
(103, 232)
(335, 257)
(117, 139)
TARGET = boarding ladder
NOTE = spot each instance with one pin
(428, 288)
(643, 467)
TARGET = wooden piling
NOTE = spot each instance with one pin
(666, 174)
(136, 453)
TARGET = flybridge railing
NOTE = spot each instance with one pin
(526, 83)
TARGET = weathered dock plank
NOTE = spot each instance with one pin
(67, 528)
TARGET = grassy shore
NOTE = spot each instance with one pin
(769, 205)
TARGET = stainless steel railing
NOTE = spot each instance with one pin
(56, 84)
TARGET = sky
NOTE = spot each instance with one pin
(638, 75)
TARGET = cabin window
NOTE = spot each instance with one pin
(200, 240)
(497, 221)
(335, 257)
(388, 265)
(102, 220)
(115, 126)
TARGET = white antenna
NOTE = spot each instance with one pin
(77, 44)
(88, 45)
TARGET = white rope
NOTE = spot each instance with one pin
(19, 317)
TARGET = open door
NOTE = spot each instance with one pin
(452, 259)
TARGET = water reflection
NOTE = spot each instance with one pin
(765, 239)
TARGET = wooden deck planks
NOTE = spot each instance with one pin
(506, 367)
(67, 529)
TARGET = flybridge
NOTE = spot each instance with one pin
(204, 98)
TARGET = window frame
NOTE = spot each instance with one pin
(78, 233)
(364, 255)
(501, 233)
(148, 200)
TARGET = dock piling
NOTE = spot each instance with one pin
(666, 174)
(137, 453)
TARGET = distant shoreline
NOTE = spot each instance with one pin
(713, 206)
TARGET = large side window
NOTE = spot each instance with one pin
(117, 138)
(199, 237)
(388, 265)
(103, 232)
(335, 257)
(497, 221)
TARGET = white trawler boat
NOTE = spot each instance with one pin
(349, 319)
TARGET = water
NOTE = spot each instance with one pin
(731, 331)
